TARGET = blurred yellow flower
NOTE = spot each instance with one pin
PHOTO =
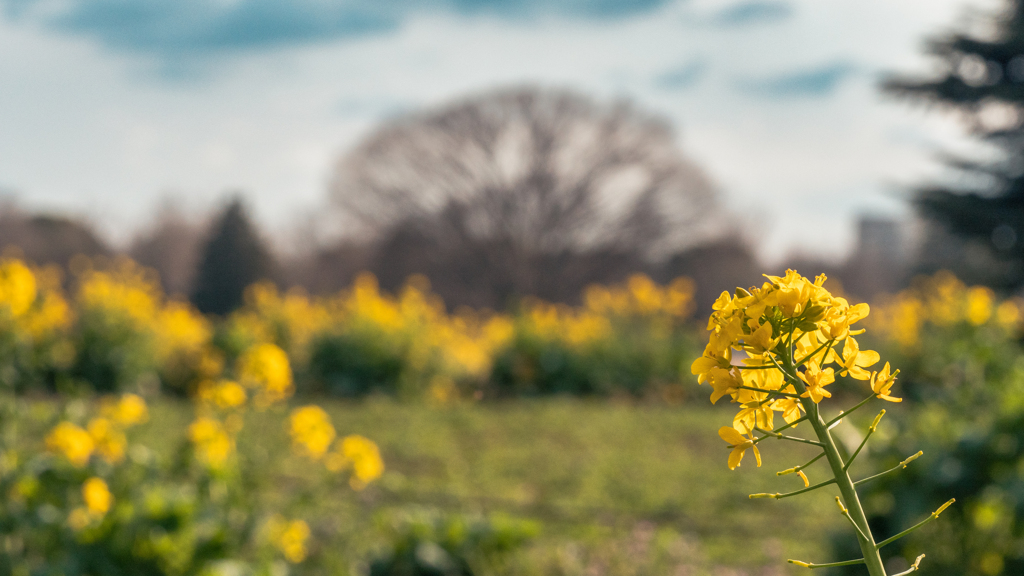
(213, 444)
(362, 455)
(72, 441)
(109, 442)
(311, 431)
(222, 395)
(17, 286)
(128, 411)
(979, 305)
(97, 496)
(289, 537)
(265, 367)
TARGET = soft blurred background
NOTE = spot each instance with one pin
(414, 287)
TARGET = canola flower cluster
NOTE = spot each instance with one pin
(789, 313)
(103, 436)
(789, 332)
(312, 435)
(943, 301)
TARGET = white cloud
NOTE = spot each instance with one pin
(89, 130)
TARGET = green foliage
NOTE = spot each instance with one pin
(114, 352)
(354, 364)
(429, 545)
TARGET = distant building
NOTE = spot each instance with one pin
(879, 262)
(879, 240)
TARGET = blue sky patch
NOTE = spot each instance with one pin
(685, 76)
(815, 82)
(172, 28)
(753, 12)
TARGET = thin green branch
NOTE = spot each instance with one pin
(790, 425)
(846, 514)
(790, 438)
(801, 467)
(758, 367)
(871, 430)
(813, 354)
(780, 391)
(778, 496)
(848, 412)
(776, 392)
(933, 516)
(827, 565)
(899, 466)
(912, 568)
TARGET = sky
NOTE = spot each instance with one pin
(108, 108)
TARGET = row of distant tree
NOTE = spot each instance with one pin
(531, 191)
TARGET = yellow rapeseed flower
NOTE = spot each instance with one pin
(128, 411)
(882, 381)
(72, 441)
(311, 431)
(213, 444)
(17, 286)
(791, 328)
(739, 444)
(289, 537)
(979, 305)
(265, 367)
(362, 455)
(223, 395)
(854, 360)
(109, 441)
(816, 380)
(97, 496)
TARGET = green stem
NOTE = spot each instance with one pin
(790, 425)
(872, 559)
(846, 413)
(812, 354)
(933, 516)
(775, 392)
(784, 437)
(801, 467)
(913, 568)
(871, 430)
(899, 466)
(778, 496)
(827, 565)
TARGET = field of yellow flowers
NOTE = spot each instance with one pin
(139, 437)
(117, 332)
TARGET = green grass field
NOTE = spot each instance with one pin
(614, 488)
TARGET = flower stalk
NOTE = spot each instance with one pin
(791, 330)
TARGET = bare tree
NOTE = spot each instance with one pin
(47, 238)
(520, 177)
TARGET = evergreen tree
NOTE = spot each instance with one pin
(983, 79)
(234, 257)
